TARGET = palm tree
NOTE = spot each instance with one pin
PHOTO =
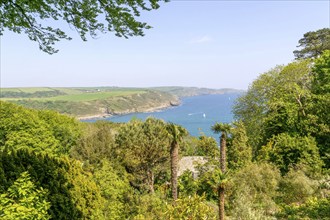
(224, 130)
(176, 133)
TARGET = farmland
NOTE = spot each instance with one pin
(89, 101)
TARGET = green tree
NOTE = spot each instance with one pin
(87, 17)
(96, 143)
(24, 201)
(313, 44)
(176, 133)
(296, 187)
(288, 151)
(320, 110)
(254, 189)
(278, 101)
(207, 146)
(239, 152)
(67, 130)
(71, 191)
(114, 186)
(252, 107)
(224, 129)
(143, 149)
(42, 131)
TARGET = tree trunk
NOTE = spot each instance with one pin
(223, 152)
(221, 190)
(221, 194)
(174, 169)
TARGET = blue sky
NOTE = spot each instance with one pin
(215, 44)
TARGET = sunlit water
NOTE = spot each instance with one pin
(197, 114)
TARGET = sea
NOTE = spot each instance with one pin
(196, 113)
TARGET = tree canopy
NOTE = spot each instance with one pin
(86, 17)
(313, 44)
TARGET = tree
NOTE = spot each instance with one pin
(42, 131)
(252, 191)
(143, 149)
(223, 129)
(24, 201)
(86, 16)
(207, 146)
(313, 44)
(287, 151)
(239, 152)
(115, 188)
(320, 89)
(252, 107)
(96, 143)
(71, 191)
(278, 101)
(176, 133)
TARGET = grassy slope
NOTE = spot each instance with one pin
(89, 101)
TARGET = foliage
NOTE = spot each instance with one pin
(244, 208)
(239, 152)
(191, 207)
(313, 44)
(321, 98)
(257, 185)
(314, 208)
(288, 151)
(43, 131)
(221, 128)
(96, 143)
(209, 182)
(143, 149)
(281, 101)
(187, 184)
(87, 17)
(71, 191)
(65, 129)
(296, 187)
(207, 146)
(252, 107)
(114, 187)
(149, 206)
(24, 201)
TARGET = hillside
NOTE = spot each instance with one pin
(194, 91)
(90, 102)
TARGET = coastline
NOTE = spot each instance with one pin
(143, 110)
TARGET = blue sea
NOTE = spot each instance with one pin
(197, 113)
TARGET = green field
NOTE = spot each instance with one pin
(66, 94)
(92, 96)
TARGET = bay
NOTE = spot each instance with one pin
(197, 113)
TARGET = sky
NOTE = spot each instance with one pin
(213, 44)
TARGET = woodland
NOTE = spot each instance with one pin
(273, 161)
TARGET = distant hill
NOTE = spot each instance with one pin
(90, 101)
(87, 102)
(194, 91)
